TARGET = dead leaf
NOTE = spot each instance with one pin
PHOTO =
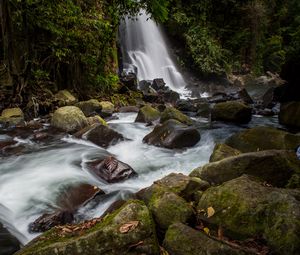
(131, 225)
(206, 230)
(210, 212)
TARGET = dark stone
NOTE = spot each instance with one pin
(128, 109)
(111, 170)
(169, 96)
(48, 221)
(8, 243)
(158, 84)
(144, 86)
(38, 136)
(245, 97)
(185, 106)
(104, 136)
(173, 135)
(290, 114)
(129, 80)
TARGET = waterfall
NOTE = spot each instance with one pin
(145, 52)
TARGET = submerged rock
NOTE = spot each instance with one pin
(172, 113)
(129, 230)
(222, 151)
(263, 138)
(290, 114)
(147, 114)
(173, 135)
(50, 220)
(111, 170)
(69, 119)
(246, 208)
(103, 136)
(183, 240)
(275, 167)
(232, 111)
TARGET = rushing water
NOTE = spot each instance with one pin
(145, 52)
(31, 183)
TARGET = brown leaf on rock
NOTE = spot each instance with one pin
(129, 226)
(210, 212)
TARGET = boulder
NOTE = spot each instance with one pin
(147, 114)
(222, 151)
(96, 120)
(203, 110)
(172, 113)
(290, 114)
(173, 135)
(183, 240)
(103, 136)
(129, 80)
(158, 84)
(232, 111)
(144, 86)
(244, 96)
(263, 138)
(64, 97)
(111, 170)
(185, 105)
(169, 96)
(50, 220)
(12, 116)
(129, 230)
(69, 119)
(90, 107)
(107, 108)
(275, 167)
(8, 243)
(245, 208)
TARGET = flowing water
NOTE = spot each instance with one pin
(145, 52)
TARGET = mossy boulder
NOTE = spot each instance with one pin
(129, 230)
(90, 107)
(12, 116)
(263, 138)
(290, 114)
(69, 119)
(245, 208)
(222, 151)
(172, 113)
(183, 240)
(103, 136)
(96, 120)
(275, 167)
(107, 108)
(64, 97)
(232, 111)
(147, 114)
(172, 134)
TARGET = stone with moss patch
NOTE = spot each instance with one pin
(103, 238)
(245, 207)
(12, 116)
(64, 97)
(96, 120)
(107, 108)
(172, 113)
(147, 114)
(222, 151)
(290, 114)
(89, 107)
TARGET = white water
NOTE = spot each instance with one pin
(145, 52)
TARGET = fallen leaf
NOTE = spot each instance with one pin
(210, 212)
(206, 230)
(163, 251)
(131, 225)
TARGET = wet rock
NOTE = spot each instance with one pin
(40, 136)
(265, 112)
(220, 98)
(69, 119)
(182, 240)
(129, 230)
(185, 106)
(107, 109)
(275, 167)
(8, 243)
(232, 111)
(147, 114)
(263, 138)
(111, 170)
(169, 96)
(222, 151)
(103, 136)
(96, 120)
(158, 84)
(172, 113)
(130, 81)
(64, 97)
(144, 86)
(203, 110)
(244, 207)
(290, 114)
(90, 107)
(12, 116)
(244, 96)
(129, 109)
(7, 142)
(50, 220)
(173, 135)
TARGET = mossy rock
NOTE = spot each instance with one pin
(275, 167)
(222, 151)
(147, 114)
(107, 107)
(290, 114)
(64, 97)
(69, 119)
(263, 138)
(12, 116)
(232, 111)
(103, 238)
(172, 113)
(90, 107)
(245, 208)
(183, 240)
(96, 120)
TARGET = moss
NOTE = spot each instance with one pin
(172, 113)
(147, 114)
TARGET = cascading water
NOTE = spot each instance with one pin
(145, 52)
